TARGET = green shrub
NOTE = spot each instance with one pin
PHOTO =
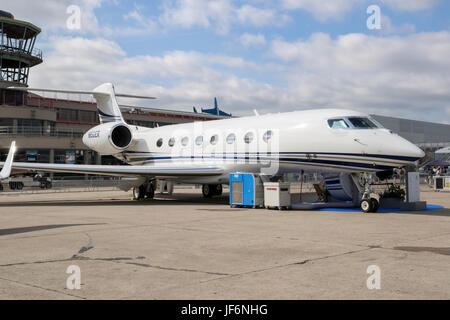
(394, 191)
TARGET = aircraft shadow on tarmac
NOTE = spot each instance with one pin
(5, 232)
(438, 213)
(179, 200)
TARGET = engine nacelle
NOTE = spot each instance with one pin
(109, 138)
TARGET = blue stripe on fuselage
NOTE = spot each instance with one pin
(285, 160)
(379, 156)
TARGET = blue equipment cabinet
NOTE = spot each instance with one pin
(246, 190)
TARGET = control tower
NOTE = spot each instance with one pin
(17, 52)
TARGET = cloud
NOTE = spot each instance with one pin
(249, 15)
(322, 10)
(388, 28)
(145, 25)
(411, 5)
(177, 78)
(220, 15)
(337, 9)
(252, 40)
(52, 15)
(192, 13)
(391, 75)
(405, 76)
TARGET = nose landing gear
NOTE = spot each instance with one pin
(370, 201)
(369, 205)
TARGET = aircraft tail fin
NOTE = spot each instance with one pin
(6, 170)
(107, 106)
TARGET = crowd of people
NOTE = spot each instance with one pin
(437, 171)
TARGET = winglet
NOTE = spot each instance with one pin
(6, 170)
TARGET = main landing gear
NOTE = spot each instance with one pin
(210, 190)
(144, 191)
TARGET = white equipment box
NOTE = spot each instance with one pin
(164, 186)
(276, 195)
(441, 183)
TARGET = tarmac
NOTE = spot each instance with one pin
(187, 247)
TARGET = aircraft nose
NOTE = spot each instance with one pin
(419, 153)
(412, 151)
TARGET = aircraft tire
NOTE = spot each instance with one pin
(207, 190)
(375, 205)
(366, 205)
(150, 194)
(1, 187)
(217, 189)
(19, 185)
(139, 192)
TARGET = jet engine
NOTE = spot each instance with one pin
(109, 138)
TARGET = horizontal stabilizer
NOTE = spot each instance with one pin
(79, 92)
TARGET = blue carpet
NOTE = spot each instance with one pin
(429, 207)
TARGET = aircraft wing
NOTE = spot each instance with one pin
(6, 170)
(121, 170)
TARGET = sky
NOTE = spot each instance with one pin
(272, 56)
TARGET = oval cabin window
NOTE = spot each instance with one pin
(249, 137)
(267, 136)
(231, 138)
(199, 140)
(214, 139)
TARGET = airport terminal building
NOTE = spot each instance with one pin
(50, 129)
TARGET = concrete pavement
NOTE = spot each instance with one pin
(186, 247)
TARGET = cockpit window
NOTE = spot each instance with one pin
(362, 123)
(338, 124)
(379, 125)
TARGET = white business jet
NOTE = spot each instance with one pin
(337, 143)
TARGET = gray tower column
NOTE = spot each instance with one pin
(86, 157)
(51, 159)
(51, 156)
(86, 161)
(98, 158)
(15, 125)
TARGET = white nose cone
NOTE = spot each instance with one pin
(407, 149)
(419, 153)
